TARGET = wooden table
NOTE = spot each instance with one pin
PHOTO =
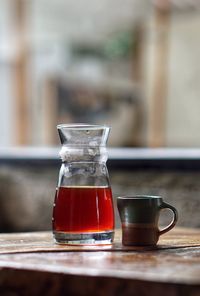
(31, 264)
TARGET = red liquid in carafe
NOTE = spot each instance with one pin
(83, 209)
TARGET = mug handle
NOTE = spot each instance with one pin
(165, 205)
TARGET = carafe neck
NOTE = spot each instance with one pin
(83, 153)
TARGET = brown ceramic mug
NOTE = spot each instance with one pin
(140, 216)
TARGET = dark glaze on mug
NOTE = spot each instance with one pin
(139, 218)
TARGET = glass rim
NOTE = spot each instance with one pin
(82, 126)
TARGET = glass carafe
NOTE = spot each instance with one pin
(83, 208)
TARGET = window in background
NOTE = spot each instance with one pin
(132, 66)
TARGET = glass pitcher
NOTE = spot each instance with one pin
(83, 208)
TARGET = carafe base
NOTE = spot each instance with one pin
(89, 238)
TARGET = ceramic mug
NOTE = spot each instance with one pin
(139, 218)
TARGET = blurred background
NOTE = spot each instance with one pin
(93, 61)
(131, 64)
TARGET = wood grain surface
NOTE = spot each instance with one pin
(44, 242)
(34, 264)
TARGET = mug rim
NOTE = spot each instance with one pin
(139, 197)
